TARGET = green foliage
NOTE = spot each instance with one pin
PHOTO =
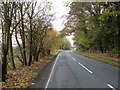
(64, 43)
(108, 14)
(96, 26)
(55, 52)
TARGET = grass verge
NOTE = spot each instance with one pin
(99, 59)
(56, 52)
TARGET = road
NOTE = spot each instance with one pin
(71, 70)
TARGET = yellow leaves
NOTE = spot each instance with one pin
(52, 33)
(22, 76)
(110, 7)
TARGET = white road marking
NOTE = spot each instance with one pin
(85, 68)
(73, 59)
(51, 72)
(111, 86)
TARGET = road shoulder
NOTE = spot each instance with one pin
(41, 79)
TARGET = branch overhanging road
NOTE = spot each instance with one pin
(71, 70)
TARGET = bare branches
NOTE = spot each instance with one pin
(28, 27)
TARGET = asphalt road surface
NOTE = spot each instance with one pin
(71, 70)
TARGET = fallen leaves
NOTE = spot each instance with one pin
(22, 76)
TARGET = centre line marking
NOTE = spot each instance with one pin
(73, 59)
(85, 68)
(111, 86)
(51, 72)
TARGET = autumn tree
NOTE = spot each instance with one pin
(28, 26)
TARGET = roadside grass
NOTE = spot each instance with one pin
(99, 59)
(53, 54)
(56, 52)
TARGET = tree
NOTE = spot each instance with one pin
(28, 26)
(7, 19)
(30, 16)
(22, 31)
(95, 26)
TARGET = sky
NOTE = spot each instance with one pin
(59, 10)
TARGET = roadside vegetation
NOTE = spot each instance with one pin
(28, 41)
(22, 76)
(111, 61)
(95, 26)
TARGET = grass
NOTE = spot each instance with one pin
(54, 53)
(99, 59)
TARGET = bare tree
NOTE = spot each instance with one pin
(7, 16)
(30, 16)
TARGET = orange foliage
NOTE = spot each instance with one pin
(52, 33)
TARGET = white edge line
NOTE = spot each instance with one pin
(73, 59)
(85, 68)
(51, 72)
(111, 86)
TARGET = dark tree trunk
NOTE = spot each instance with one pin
(118, 35)
(37, 56)
(4, 66)
(23, 35)
(5, 38)
(11, 53)
(30, 48)
(101, 47)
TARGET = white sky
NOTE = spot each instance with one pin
(59, 10)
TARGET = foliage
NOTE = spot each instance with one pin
(95, 26)
(22, 22)
(31, 28)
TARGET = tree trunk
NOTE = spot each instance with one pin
(11, 53)
(101, 48)
(30, 48)
(5, 38)
(18, 44)
(23, 36)
(4, 67)
(118, 36)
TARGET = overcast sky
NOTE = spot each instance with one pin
(60, 11)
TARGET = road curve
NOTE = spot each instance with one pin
(71, 70)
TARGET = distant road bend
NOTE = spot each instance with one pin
(71, 70)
